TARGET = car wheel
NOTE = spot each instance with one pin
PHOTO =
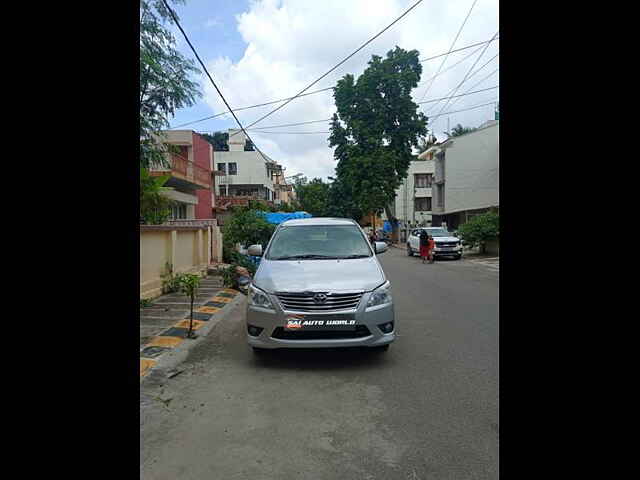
(409, 251)
(458, 257)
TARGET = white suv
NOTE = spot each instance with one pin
(446, 243)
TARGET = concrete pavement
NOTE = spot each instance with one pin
(426, 409)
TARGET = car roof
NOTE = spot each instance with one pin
(296, 222)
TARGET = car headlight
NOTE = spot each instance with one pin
(380, 296)
(258, 298)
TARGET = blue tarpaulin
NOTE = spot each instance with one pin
(279, 217)
(387, 226)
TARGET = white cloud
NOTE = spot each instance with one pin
(292, 42)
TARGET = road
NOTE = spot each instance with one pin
(426, 409)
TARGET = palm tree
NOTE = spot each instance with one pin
(460, 130)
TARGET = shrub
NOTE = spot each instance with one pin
(247, 227)
(480, 229)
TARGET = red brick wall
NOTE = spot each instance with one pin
(201, 152)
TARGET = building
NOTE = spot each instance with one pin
(413, 203)
(284, 192)
(245, 174)
(241, 176)
(190, 175)
(466, 176)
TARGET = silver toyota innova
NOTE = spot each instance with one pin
(319, 284)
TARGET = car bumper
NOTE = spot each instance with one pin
(272, 323)
(446, 253)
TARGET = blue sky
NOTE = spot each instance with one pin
(212, 29)
(263, 50)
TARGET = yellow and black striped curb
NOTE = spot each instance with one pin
(176, 334)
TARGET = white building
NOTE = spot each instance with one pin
(246, 174)
(466, 176)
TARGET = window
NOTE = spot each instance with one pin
(222, 167)
(223, 190)
(329, 241)
(179, 212)
(440, 196)
(423, 204)
(233, 168)
(423, 180)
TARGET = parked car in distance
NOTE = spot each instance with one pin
(319, 284)
(447, 245)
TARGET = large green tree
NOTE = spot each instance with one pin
(165, 80)
(375, 129)
(313, 197)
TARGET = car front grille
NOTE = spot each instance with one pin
(304, 302)
(361, 331)
(446, 244)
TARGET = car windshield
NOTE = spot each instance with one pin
(318, 242)
(438, 232)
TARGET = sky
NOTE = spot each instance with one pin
(263, 50)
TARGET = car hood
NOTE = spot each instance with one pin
(446, 239)
(319, 275)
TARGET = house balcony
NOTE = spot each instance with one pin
(226, 202)
(184, 174)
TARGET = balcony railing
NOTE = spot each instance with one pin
(185, 170)
(225, 201)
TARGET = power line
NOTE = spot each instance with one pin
(175, 19)
(252, 106)
(460, 49)
(291, 133)
(337, 65)
(461, 95)
(292, 124)
(473, 86)
(453, 90)
(450, 48)
(467, 75)
(449, 68)
(462, 110)
(329, 119)
(331, 88)
(444, 113)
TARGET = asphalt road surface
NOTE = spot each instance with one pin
(426, 409)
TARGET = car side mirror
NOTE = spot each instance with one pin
(255, 250)
(381, 247)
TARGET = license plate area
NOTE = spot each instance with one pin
(337, 322)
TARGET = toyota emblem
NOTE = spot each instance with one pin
(319, 298)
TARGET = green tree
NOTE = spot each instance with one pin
(341, 202)
(459, 130)
(155, 207)
(247, 227)
(480, 228)
(313, 197)
(219, 140)
(285, 207)
(165, 86)
(375, 129)
(425, 143)
(188, 284)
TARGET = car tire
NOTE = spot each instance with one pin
(381, 348)
(409, 251)
(260, 351)
(458, 257)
